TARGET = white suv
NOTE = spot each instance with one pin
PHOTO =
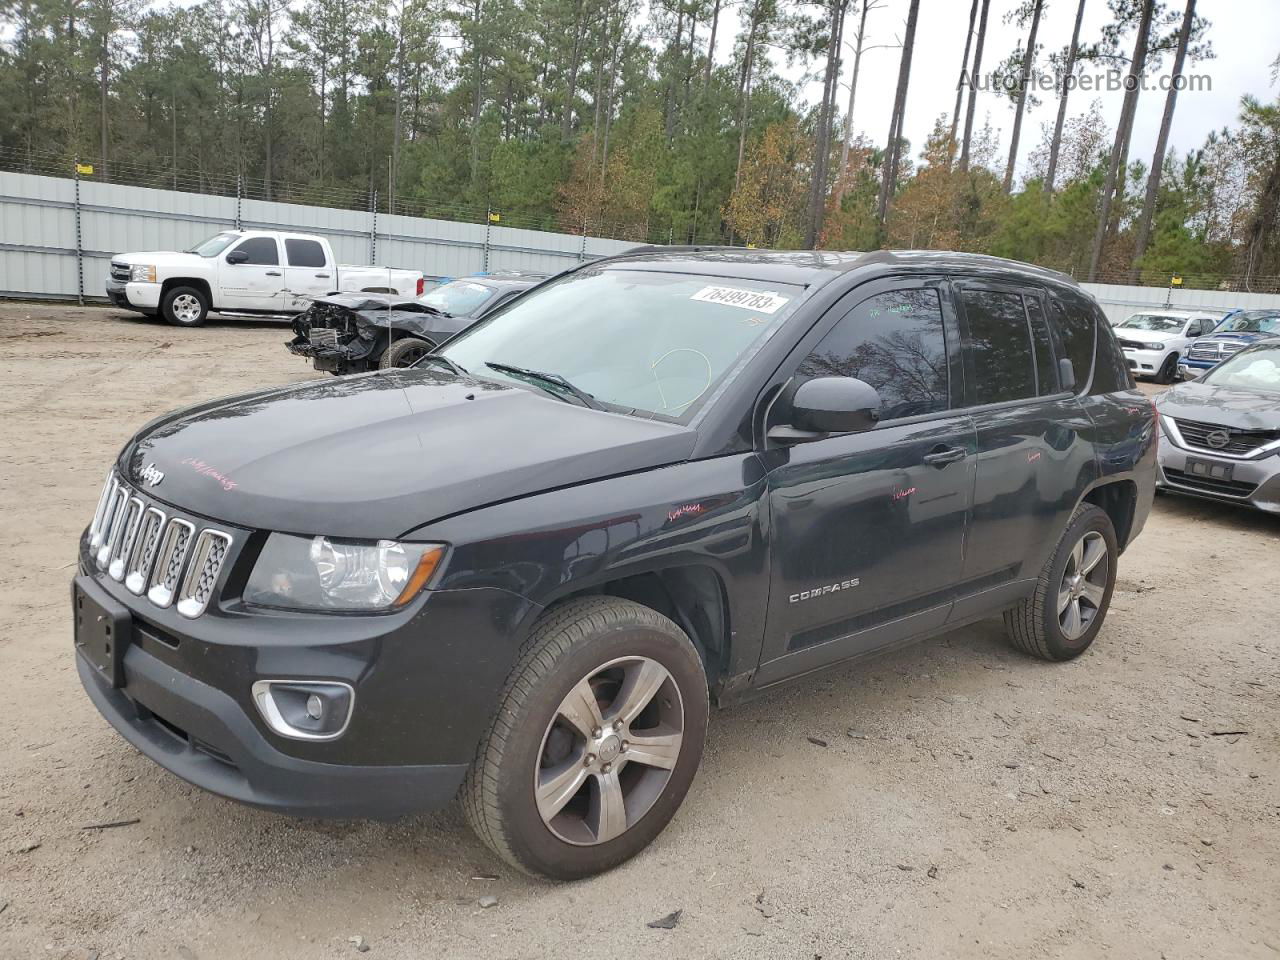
(1154, 340)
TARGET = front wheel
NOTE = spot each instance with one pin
(405, 352)
(595, 742)
(184, 306)
(1063, 616)
(1168, 370)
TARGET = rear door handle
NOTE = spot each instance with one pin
(273, 273)
(940, 456)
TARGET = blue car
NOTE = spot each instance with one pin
(1232, 335)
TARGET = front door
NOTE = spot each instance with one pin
(258, 282)
(868, 529)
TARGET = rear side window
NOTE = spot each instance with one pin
(304, 253)
(1002, 360)
(261, 250)
(1046, 372)
(894, 341)
(1074, 322)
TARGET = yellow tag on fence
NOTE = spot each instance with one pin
(84, 169)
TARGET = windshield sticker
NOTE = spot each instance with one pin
(766, 301)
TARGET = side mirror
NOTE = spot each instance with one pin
(237, 256)
(1067, 374)
(826, 405)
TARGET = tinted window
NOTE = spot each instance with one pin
(304, 253)
(261, 250)
(1002, 361)
(1074, 323)
(895, 342)
(1046, 374)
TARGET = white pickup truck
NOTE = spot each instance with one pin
(244, 273)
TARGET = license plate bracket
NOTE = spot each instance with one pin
(1209, 469)
(103, 631)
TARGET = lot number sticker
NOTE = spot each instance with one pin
(754, 300)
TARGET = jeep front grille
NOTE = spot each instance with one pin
(202, 572)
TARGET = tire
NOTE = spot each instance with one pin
(607, 647)
(1168, 371)
(184, 307)
(404, 352)
(1040, 625)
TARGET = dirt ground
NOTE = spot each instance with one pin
(961, 801)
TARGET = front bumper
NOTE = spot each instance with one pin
(1253, 483)
(1145, 363)
(144, 297)
(426, 681)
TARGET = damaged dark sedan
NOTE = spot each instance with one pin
(357, 332)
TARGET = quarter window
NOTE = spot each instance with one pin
(1046, 375)
(895, 342)
(261, 250)
(1075, 326)
(1001, 357)
(304, 253)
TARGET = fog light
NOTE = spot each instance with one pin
(305, 709)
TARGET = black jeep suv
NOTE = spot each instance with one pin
(522, 569)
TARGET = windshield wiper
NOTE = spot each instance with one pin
(443, 360)
(554, 378)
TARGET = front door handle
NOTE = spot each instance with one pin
(323, 276)
(940, 456)
(273, 273)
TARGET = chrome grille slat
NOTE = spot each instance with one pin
(174, 548)
(113, 525)
(123, 544)
(147, 539)
(202, 572)
(98, 528)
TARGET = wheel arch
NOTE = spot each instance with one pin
(1118, 498)
(196, 282)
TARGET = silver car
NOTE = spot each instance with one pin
(1220, 435)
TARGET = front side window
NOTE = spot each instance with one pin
(214, 245)
(261, 250)
(642, 341)
(895, 342)
(1075, 326)
(1002, 360)
(304, 253)
(1251, 370)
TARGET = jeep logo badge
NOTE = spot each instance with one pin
(1218, 439)
(151, 475)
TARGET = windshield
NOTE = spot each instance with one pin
(458, 297)
(1250, 370)
(641, 340)
(1250, 321)
(1160, 323)
(214, 245)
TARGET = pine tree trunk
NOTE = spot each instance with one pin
(822, 145)
(711, 47)
(889, 179)
(1028, 61)
(1120, 149)
(744, 93)
(571, 89)
(973, 90)
(1055, 145)
(848, 116)
(964, 65)
(1162, 143)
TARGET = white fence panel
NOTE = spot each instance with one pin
(1119, 301)
(57, 235)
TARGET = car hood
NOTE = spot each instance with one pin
(1222, 406)
(1235, 337)
(377, 455)
(156, 256)
(1143, 336)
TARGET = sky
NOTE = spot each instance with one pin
(1245, 35)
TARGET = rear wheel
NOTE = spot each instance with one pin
(184, 306)
(595, 742)
(1168, 371)
(1063, 616)
(405, 352)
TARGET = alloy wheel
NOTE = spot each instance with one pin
(609, 751)
(186, 308)
(1084, 584)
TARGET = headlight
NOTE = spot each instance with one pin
(1158, 345)
(139, 273)
(323, 573)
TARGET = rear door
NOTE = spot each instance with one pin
(868, 528)
(256, 284)
(308, 273)
(1031, 460)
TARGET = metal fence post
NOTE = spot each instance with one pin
(79, 245)
(488, 226)
(239, 197)
(582, 249)
(373, 227)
